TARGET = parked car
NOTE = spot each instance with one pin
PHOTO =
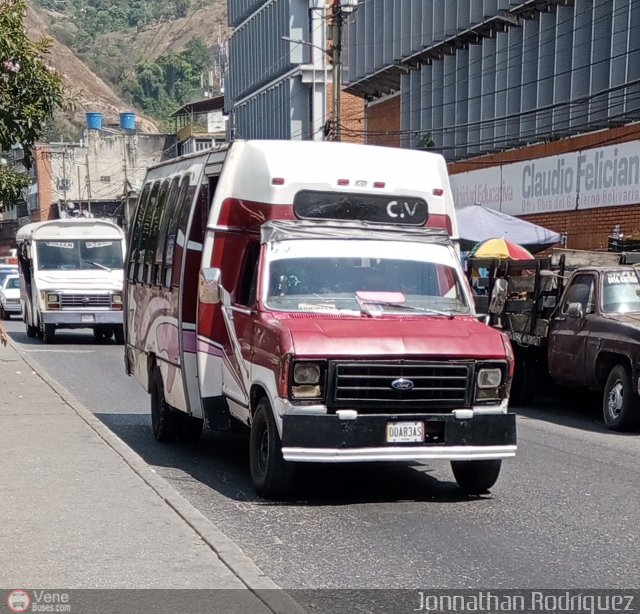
(6, 270)
(10, 296)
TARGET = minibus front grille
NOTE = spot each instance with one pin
(84, 301)
(400, 386)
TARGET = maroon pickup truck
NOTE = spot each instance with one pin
(594, 340)
(580, 329)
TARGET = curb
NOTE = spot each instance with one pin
(256, 581)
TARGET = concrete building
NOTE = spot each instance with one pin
(521, 95)
(278, 82)
(96, 177)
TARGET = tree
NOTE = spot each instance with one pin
(30, 91)
(182, 7)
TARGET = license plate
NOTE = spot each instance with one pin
(405, 432)
(88, 317)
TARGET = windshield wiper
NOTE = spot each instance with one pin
(415, 308)
(394, 305)
(97, 264)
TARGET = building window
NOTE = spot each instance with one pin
(63, 184)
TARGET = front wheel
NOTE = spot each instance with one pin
(272, 476)
(523, 386)
(3, 314)
(48, 333)
(476, 477)
(118, 331)
(620, 403)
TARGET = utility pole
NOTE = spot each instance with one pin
(340, 10)
(88, 186)
(64, 176)
(125, 200)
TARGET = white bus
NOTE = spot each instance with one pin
(71, 276)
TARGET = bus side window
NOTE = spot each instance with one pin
(145, 226)
(166, 214)
(172, 230)
(134, 238)
(152, 238)
(181, 235)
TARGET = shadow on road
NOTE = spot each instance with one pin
(221, 462)
(577, 409)
(62, 338)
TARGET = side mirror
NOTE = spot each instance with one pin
(485, 318)
(209, 286)
(574, 310)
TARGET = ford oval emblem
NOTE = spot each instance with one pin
(402, 384)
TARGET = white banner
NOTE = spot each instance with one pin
(599, 177)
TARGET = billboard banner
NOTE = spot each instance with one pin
(599, 177)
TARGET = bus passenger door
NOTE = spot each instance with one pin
(189, 242)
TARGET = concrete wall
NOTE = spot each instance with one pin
(383, 122)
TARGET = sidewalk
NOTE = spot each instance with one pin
(80, 509)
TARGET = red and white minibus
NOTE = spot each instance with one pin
(313, 292)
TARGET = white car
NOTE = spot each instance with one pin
(9, 296)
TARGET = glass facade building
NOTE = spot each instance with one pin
(478, 76)
(275, 86)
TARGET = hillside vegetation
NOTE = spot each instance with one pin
(157, 54)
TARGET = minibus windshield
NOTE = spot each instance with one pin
(396, 277)
(79, 255)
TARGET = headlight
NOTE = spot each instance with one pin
(306, 373)
(116, 298)
(53, 300)
(307, 381)
(489, 384)
(489, 378)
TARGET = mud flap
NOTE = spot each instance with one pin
(217, 416)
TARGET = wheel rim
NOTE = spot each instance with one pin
(263, 448)
(615, 399)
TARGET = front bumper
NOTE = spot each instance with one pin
(81, 319)
(326, 438)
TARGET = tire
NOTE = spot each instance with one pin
(525, 379)
(272, 476)
(476, 477)
(620, 402)
(3, 314)
(100, 333)
(48, 333)
(191, 429)
(118, 332)
(166, 422)
(32, 331)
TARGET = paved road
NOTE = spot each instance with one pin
(565, 512)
